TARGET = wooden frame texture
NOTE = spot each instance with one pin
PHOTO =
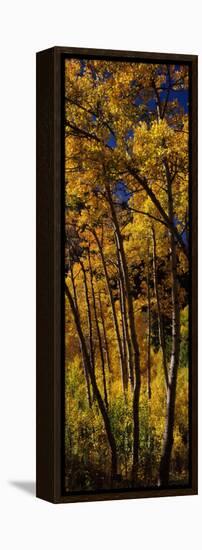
(50, 391)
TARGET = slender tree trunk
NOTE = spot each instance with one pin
(90, 325)
(126, 333)
(175, 353)
(124, 338)
(160, 318)
(124, 322)
(124, 345)
(101, 405)
(148, 474)
(113, 309)
(98, 333)
(149, 332)
(136, 391)
(83, 356)
(105, 334)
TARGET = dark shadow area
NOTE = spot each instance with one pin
(26, 486)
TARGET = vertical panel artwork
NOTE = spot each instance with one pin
(127, 275)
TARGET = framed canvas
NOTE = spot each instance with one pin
(116, 274)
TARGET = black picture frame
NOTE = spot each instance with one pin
(50, 318)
